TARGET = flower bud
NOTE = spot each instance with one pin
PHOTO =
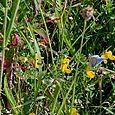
(87, 13)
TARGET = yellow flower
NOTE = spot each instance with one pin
(64, 65)
(68, 71)
(112, 57)
(36, 63)
(105, 61)
(32, 114)
(88, 68)
(108, 55)
(73, 111)
(66, 61)
(23, 59)
(36, 56)
(90, 74)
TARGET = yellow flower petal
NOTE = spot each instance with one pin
(73, 111)
(23, 59)
(36, 65)
(103, 56)
(32, 114)
(108, 54)
(65, 61)
(64, 67)
(88, 68)
(90, 74)
(105, 61)
(36, 56)
(112, 57)
(68, 71)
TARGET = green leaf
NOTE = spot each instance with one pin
(13, 16)
(10, 96)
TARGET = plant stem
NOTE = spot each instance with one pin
(47, 35)
(13, 16)
(85, 23)
(67, 94)
(84, 29)
(100, 92)
(3, 52)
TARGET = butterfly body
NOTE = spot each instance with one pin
(95, 60)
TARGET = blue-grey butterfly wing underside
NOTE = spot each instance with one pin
(95, 60)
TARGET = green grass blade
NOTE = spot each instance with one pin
(29, 45)
(13, 16)
(58, 87)
(3, 52)
(10, 96)
(66, 96)
(108, 110)
(47, 35)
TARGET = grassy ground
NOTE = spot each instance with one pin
(44, 55)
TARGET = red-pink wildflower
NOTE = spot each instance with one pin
(45, 40)
(16, 40)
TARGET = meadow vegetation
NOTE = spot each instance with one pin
(44, 64)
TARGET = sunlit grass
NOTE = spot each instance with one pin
(44, 57)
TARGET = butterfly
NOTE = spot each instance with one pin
(95, 60)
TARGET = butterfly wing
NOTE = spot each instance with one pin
(95, 60)
(99, 60)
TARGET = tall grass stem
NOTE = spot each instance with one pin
(84, 29)
(3, 52)
(47, 35)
